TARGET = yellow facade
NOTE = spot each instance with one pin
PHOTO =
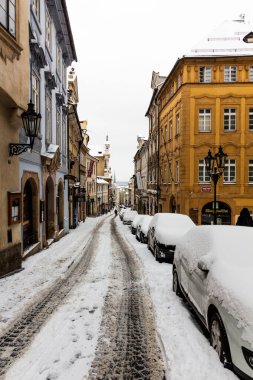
(181, 100)
(14, 96)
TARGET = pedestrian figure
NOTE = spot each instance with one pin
(115, 212)
(244, 218)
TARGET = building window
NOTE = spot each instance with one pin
(48, 118)
(165, 174)
(203, 174)
(230, 172)
(8, 15)
(64, 135)
(170, 130)
(179, 80)
(229, 119)
(251, 73)
(58, 127)
(250, 171)
(177, 124)
(36, 8)
(64, 80)
(205, 120)
(166, 134)
(205, 74)
(58, 61)
(36, 92)
(171, 91)
(230, 74)
(177, 171)
(48, 31)
(170, 172)
(251, 119)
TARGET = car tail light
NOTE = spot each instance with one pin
(248, 355)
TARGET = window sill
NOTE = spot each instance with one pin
(229, 183)
(9, 47)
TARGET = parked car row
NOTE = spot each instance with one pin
(213, 271)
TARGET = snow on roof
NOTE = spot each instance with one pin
(226, 40)
(101, 181)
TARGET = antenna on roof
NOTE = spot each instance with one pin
(241, 18)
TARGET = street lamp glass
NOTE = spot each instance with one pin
(221, 158)
(209, 162)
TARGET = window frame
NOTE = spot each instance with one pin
(251, 119)
(205, 176)
(203, 111)
(230, 74)
(7, 24)
(250, 168)
(48, 31)
(36, 8)
(230, 164)
(177, 179)
(205, 74)
(48, 118)
(228, 113)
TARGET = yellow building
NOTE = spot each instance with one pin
(14, 96)
(207, 101)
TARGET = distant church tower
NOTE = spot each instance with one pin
(107, 169)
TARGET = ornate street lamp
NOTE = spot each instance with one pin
(215, 166)
(31, 123)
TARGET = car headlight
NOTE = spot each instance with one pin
(248, 355)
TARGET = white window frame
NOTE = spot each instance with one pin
(36, 91)
(177, 172)
(58, 60)
(8, 16)
(170, 172)
(251, 73)
(205, 74)
(250, 171)
(177, 123)
(229, 175)
(230, 73)
(170, 130)
(203, 176)
(58, 127)
(251, 119)
(36, 8)
(64, 134)
(48, 31)
(48, 118)
(229, 119)
(205, 120)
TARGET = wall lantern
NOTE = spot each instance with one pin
(31, 123)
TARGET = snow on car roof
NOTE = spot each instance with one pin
(229, 250)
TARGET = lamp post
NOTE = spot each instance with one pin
(31, 123)
(215, 166)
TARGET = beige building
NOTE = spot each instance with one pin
(14, 96)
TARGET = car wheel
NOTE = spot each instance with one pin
(219, 340)
(175, 285)
(157, 253)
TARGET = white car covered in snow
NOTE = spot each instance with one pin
(129, 216)
(213, 269)
(165, 231)
(135, 223)
(142, 228)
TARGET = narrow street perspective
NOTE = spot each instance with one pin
(96, 305)
(126, 190)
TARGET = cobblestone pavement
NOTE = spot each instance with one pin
(18, 337)
(127, 347)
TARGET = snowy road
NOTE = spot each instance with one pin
(71, 344)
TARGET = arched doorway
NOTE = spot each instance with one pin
(173, 205)
(60, 206)
(223, 212)
(49, 217)
(28, 235)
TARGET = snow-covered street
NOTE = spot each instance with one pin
(65, 346)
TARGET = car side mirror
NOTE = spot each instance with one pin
(204, 264)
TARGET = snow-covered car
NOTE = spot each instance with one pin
(122, 212)
(142, 228)
(213, 270)
(165, 231)
(129, 216)
(135, 223)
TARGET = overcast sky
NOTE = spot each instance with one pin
(119, 43)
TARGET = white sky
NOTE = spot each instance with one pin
(119, 43)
